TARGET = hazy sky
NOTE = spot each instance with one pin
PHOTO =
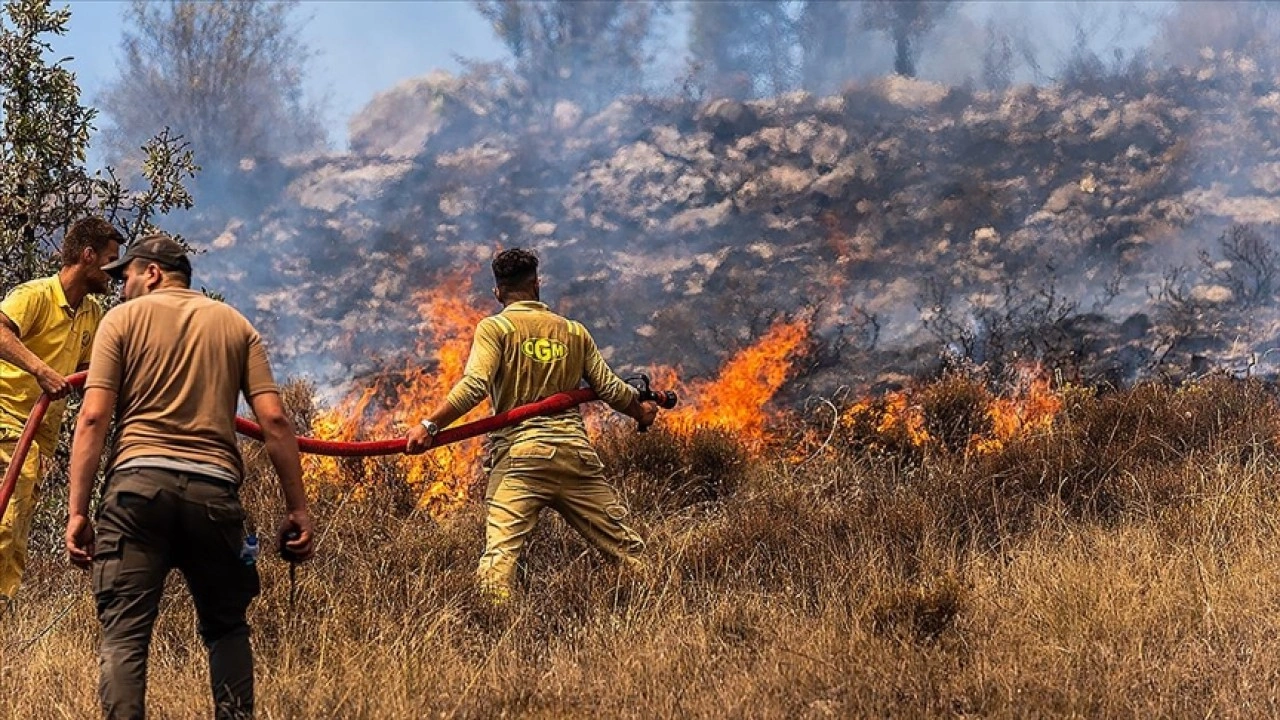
(364, 47)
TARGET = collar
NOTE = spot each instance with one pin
(525, 306)
(60, 295)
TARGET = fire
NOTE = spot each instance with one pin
(1030, 406)
(901, 415)
(441, 476)
(747, 382)
(732, 401)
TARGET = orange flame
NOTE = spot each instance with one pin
(440, 476)
(733, 401)
(1030, 406)
(748, 381)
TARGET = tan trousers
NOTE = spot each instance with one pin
(566, 476)
(15, 526)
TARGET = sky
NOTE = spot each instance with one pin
(362, 48)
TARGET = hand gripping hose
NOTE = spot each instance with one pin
(547, 406)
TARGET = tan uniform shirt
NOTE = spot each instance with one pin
(527, 353)
(178, 362)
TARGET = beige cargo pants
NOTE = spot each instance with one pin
(566, 476)
(15, 526)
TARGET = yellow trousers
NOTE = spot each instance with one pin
(15, 526)
(566, 476)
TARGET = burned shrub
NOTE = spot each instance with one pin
(1249, 266)
(1018, 322)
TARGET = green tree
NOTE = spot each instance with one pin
(587, 52)
(227, 76)
(44, 136)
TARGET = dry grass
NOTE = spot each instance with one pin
(1121, 565)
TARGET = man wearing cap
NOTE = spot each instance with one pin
(46, 333)
(171, 364)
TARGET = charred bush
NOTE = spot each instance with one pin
(1000, 329)
(1249, 265)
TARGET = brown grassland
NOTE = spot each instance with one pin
(1118, 563)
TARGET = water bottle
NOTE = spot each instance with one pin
(249, 551)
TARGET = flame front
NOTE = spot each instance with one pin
(441, 476)
(902, 417)
(1031, 408)
(736, 399)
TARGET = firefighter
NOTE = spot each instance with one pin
(521, 355)
(46, 333)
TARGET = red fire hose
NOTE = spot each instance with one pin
(547, 406)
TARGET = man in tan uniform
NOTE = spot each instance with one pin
(46, 333)
(522, 355)
(171, 364)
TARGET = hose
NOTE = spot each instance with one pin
(547, 406)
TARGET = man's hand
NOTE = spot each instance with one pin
(79, 540)
(301, 548)
(52, 383)
(646, 414)
(419, 440)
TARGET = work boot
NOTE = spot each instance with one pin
(495, 594)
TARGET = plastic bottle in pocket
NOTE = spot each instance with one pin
(249, 550)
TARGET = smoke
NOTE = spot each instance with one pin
(1042, 143)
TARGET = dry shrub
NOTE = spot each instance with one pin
(663, 471)
(921, 613)
(1095, 449)
(863, 434)
(955, 409)
(830, 587)
(299, 400)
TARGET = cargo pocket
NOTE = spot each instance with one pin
(106, 563)
(227, 518)
(591, 462)
(530, 455)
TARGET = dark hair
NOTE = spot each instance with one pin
(515, 269)
(90, 232)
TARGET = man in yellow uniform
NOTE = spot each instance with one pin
(522, 355)
(46, 333)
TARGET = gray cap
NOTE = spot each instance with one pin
(156, 247)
